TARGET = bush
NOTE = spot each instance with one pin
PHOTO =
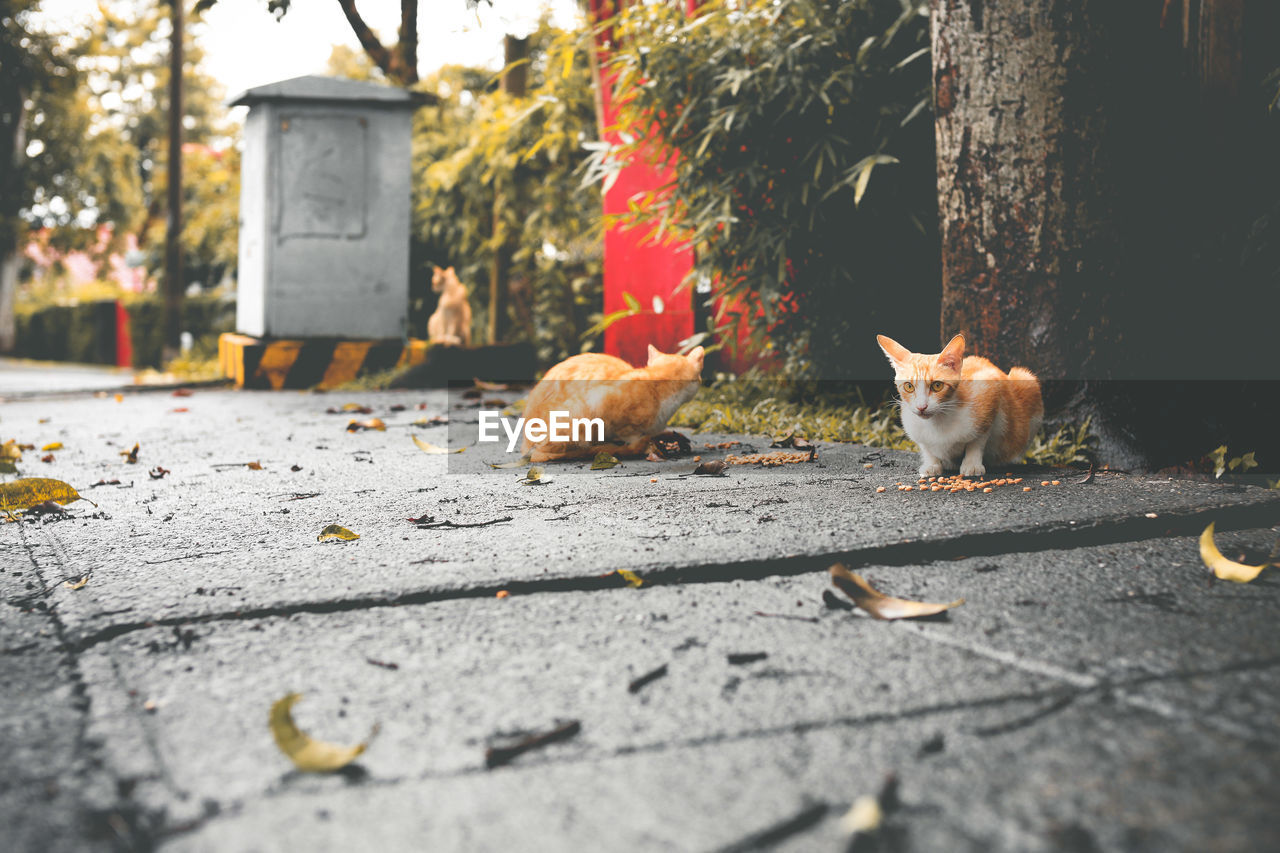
(483, 147)
(804, 168)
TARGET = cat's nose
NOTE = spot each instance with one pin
(921, 409)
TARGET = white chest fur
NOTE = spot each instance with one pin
(943, 435)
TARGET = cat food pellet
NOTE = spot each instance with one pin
(1057, 482)
(502, 593)
(697, 459)
(1044, 482)
(988, 489)
(1019, 480)
(653, 479)
(868, 466)
(907, 488)
(879, 488)
(935, 488)
(1026, 488)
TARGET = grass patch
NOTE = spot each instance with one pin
(751, 405)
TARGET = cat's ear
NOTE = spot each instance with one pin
(897, 352)
(952, 355)
(696, 355)
(654, 352)
(450, 271)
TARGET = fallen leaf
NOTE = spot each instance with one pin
(633, 580)
(438, 420)
(878, 604)
(713, 467)
(534, 476)
(792, 440)
(119, 398)
(515, 463)
(371, 423)
(253, 466)
(337, 531)
(1224, 569)
(603, 461)
(428, 447)
(78, 584)
(47, 508)
(491, 386)
(29, 491)
(182, 392)
(308, 755)
(398, 407)
(295, 468)
(181, 410)
(55, 445)
(131, 456)
(48, 457)
(158, 472)
(865, 815)
(10, 450)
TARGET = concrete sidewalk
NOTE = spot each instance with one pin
(1094, 691)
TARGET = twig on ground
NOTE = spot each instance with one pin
(496, 756)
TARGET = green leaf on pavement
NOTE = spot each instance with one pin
(603, 461)
(336, 531)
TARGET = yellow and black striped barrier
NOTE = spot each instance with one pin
(310, 363)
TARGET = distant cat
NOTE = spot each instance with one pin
(450, 323)
(635, 403)
(964, 410)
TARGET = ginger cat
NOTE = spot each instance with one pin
(450, 323)
(635, 403)
(963, 409)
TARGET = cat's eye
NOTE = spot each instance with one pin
(908, 387)
(937, 386)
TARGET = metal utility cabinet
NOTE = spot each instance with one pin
(324, 210)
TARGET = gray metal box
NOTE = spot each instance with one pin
(324, 210)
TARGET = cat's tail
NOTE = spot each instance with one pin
(1027, 397)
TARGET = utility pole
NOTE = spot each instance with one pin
(515, 82)
(173, 279)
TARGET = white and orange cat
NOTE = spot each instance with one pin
(963, 410)
(635, 403)
(450, 323)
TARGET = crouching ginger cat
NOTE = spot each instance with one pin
(962, 409)
(635, 403)
(450, 323)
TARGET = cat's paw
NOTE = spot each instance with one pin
(972, 469)
(931, 469)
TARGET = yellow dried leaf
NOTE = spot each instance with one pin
(514, 463)
(427, 447)
(1224, 569)
(55, 445)
(307, 754)
(633, 580)
(534, 475)
(78, 584)
(603, 461)
(865, 815)
(371, 423)
(878, 604)
(353, 407)
(29, 491)
(336, 531)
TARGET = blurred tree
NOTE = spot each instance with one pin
(60, 165)
(480, 144)
(399, 62)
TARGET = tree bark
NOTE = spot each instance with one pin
(1025, 184)
(12, 151)
(408, 46)
(515, 81)
(174, 283)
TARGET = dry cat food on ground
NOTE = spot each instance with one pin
(957, 483)
(769, 459)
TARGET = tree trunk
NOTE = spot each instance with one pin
(515, 81)
(1026, 188)
(1099, 167)
(12, 151)
(174, 283)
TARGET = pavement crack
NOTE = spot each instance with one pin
(1121, 689)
